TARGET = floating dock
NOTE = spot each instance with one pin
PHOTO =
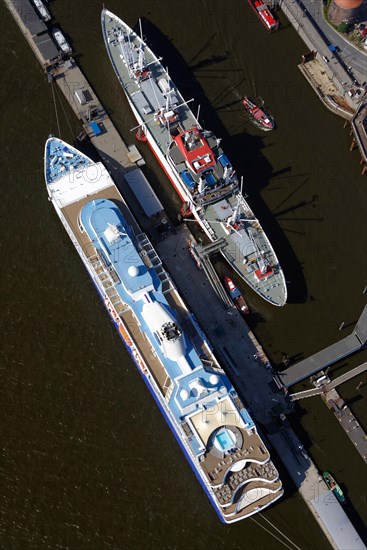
(359, 131)
(322, 359)
(35, 31)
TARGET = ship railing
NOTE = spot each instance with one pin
(168, 388)
(107, 276)
(87, 260)
(151, 259)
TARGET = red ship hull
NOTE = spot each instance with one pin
(263, 13)
(258, 114)
(237, 298)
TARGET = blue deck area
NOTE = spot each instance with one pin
(224, 439)
(61, 159)
(140, 288)
(97, 217)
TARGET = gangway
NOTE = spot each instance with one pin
(203, 253)
(215, 282)
(211, 248)
(329, 385)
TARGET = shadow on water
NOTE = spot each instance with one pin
(245, 149)
(349, 508)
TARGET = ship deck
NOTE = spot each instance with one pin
(248, 451)
(71, 213)
(241, 247)
(147, 98)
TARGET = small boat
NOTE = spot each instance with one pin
(238, 300)
(334, 486)
(259, 115)
(42, 10)
(264, 14)
(61, 41)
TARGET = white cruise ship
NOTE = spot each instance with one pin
(207, 417)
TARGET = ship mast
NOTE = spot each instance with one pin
(141, 58)
(234, 218)
(262, 262)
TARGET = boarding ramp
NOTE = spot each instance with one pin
(215, 282)
(329, 385)
(204, 252)
(326, 357)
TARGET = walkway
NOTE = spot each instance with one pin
(349, 54)
(359, 127)
(322, 359)
(322, 503)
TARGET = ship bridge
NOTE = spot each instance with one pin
(195, 149)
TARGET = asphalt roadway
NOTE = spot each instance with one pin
(349, 54)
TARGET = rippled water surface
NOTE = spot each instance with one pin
(88, 461)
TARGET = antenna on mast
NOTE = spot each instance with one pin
(197, 116)
(141, 30)
(141, 60)
(234, 217)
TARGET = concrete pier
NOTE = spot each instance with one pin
(348, 345)
(359, 128)
(113, 151)
(322, 503)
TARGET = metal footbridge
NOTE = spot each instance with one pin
(330, 385)
(322, 359)
(204, 253)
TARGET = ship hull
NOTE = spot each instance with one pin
(258, 115)
(270, 26)
(149, 129)
(70, 213)
(123, 331)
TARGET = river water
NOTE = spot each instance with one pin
(88, 461)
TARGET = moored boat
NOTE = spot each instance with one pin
(236, 296)
(264, 14)
(265, 121)
(61, 40)
(334, 486)
(207, 417)
(42, 10)
(193, 160)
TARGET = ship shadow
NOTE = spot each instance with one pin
(245, 149)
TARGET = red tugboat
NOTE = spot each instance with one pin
(265, 121)
(235, 294)
(264, 14)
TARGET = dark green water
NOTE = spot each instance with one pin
(88, 461)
